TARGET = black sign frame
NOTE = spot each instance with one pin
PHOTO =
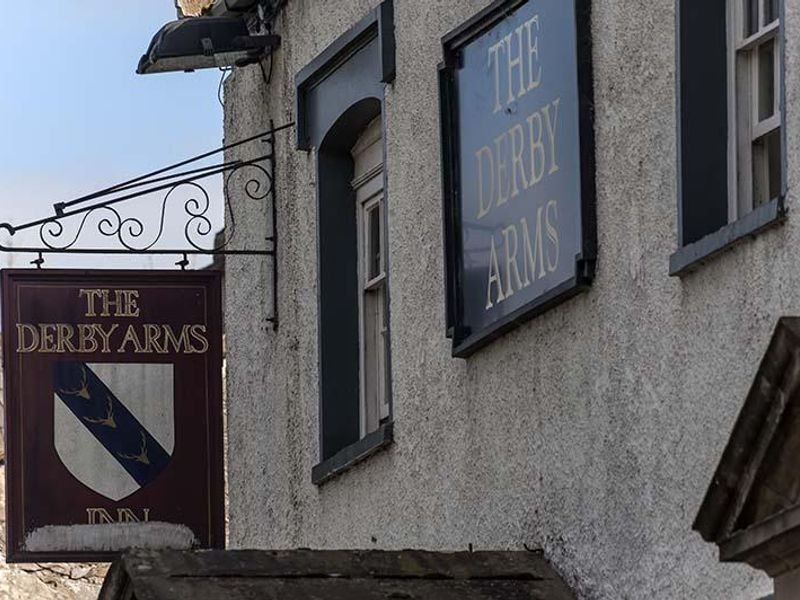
(465, 341)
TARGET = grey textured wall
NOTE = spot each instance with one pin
(592, 431)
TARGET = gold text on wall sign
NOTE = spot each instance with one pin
(106, 338)
(518, 160)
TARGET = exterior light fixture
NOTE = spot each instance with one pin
(218, 8)
(204, 43)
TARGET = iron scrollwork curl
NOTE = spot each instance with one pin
(252, 190)
(130, 231)
(98, 215)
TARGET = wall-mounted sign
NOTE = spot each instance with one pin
(113, 399)
(518, 159)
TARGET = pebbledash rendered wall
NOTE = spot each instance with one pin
(592, 431)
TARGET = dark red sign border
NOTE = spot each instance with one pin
(212, 282)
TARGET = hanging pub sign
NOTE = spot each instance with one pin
(113, 400)
(518, 160)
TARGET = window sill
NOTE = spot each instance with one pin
(353, 454)
(687, 259)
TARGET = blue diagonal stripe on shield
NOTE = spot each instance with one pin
(108, 419)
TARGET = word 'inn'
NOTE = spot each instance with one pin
(99, 516)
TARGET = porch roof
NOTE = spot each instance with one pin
(333, 574)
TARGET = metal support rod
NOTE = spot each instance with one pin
(143, 179)
(59, 207)
(245, 180)
(125, 251)
(274, 257)
(139, 194)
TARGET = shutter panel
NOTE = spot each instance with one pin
(703, 118)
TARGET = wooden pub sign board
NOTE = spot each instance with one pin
(518, 162)
(113, 391)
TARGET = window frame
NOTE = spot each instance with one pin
(726, 232)
(338, 94)
(745, 127)
(370, 196)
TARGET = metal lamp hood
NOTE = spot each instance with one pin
(203, 43)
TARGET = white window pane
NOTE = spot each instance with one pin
(745, 115)
(373, 242)
(770, 11)
(373, 358)
(754, 104)
(368, 184)
(766, 80)
(766, 168)
(383, 347)
(750, 17)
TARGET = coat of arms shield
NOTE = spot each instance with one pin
(114, 423)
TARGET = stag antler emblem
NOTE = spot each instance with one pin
(83, 390)
(142, 456)
(108, 421)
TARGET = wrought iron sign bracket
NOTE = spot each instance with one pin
(78, 225)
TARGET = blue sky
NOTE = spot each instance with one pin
(75, 116)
